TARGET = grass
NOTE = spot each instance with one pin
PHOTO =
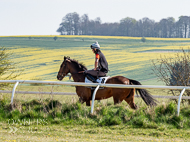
(105, 114)
(69, 120)
(89, 133)
(50, 120)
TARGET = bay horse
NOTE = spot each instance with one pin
(77, 69)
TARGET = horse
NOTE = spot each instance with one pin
(77, 70)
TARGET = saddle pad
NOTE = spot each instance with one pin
(101, 80)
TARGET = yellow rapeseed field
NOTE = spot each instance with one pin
(101, 37)
(46, 57)
(129, 58)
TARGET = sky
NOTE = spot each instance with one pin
(42, 17)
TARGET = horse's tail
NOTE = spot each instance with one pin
(145, 95)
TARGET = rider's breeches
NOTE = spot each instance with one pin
(95, 73)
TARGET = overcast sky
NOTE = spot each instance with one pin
(42, 17)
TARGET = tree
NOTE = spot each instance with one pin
(174, 71)
(147, 27)
(8, 69)
(127, 26)
(84, 24)
(96, 27)
(163, 26)
(171, 26)
(76, 23)
(184, 25)
(70, 24)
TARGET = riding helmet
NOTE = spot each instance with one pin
(95, 46)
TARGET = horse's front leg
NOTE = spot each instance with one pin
(84, 95)
(88, 103)
(81, 100)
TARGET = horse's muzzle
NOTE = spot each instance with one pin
(59, 77)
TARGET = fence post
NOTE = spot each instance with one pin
(13, 92)
(179, 101)
(93, 98)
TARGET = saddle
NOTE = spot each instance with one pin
(93, 79)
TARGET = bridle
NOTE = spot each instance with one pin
(62, 74)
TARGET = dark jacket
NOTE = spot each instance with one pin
(102, 64)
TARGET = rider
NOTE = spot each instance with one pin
(101, 65)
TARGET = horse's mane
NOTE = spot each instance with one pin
(80, 64)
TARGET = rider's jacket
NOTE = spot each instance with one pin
(102, 64)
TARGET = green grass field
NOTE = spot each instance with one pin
(76, 133)
(46, 120)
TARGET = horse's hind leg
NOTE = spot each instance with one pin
(117, 100)
(130, 99)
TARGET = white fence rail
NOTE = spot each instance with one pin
(183, 88)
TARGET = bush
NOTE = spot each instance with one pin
(174, 71)
(164, 110)
(8, 69)
(55, 38)
(143, 39)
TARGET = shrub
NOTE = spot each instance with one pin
(55, 38)
(8, 69)
(143, 39)
(174, 71)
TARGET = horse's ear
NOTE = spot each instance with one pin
(65, 58)
(68, 60)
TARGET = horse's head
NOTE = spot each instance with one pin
(70, 66)
(64, 68)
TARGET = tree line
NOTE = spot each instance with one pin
(73, 24)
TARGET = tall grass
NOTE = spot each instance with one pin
(160, 117)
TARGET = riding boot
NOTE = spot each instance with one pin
(91, 78)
